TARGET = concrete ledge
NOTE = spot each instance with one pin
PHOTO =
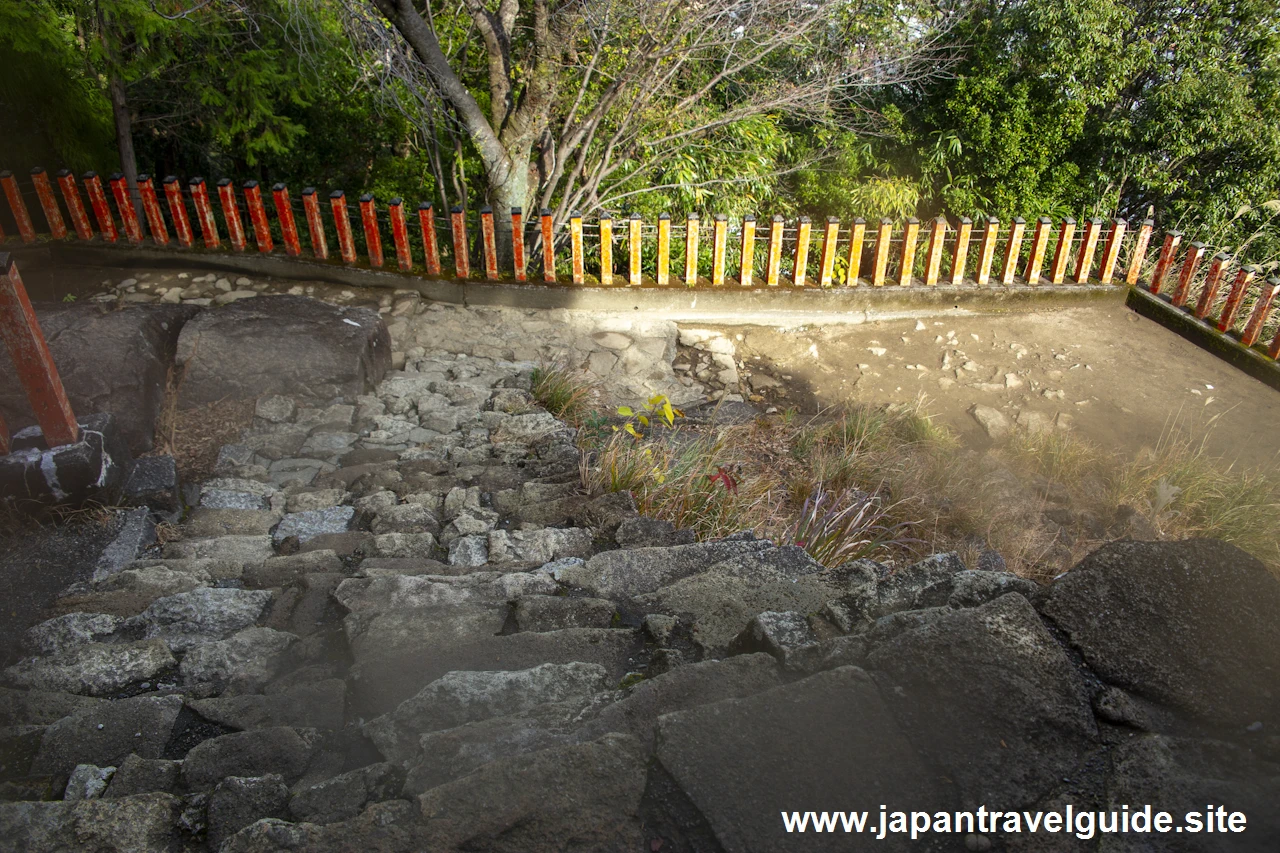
(704, 303)
(1252, 360)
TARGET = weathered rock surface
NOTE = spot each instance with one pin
(93, 669)
(138, 824)
(189, 619)
(107, 735)
(256, 753)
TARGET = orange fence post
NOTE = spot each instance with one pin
(1195, 252)
(151, 207)
(315, 223)
(773, 268)
(178, 212)
(633, 250)
(284, 215)
(258, 216)
(101, 210)
(231, 214)
(933, 258)
(19, 207)
(747, 260)
(1139, 252)
(489, 244)
(1212, 281)
(1227, 319)
(960, 254)
(605, 226)
(664, 249)
(1261, 308)
(857, 236)
(987, 251)
(430, 245)
(1012, 249)
(124, 204)
(517, 244)
(906, 266)
(204, 213)
(1062, 254)
(719, 234)
(575, 247)
(883, 240)
(548, 247)
(1112, 251)
(75, 205)
(342, 224)
(1088, 245)
(801, 271)
(1165, 262)
(691, 250)
(461, 247)
(400, 234)
(372, 236)
(827, 266)
(31, 359)
(1039, 243)
(48, 203)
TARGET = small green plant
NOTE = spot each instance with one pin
(70, 297)
(658, 408)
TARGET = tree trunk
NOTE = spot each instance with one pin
(123, 120)
(504, 195)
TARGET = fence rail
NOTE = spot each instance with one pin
(773, 254)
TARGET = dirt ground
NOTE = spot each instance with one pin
(1111, 376)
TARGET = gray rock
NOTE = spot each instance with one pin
(106, 735)
(238, 801)
(40, 707)
(88, 782)
(256, 753)
(73, 629)
(93, 669)
(524, 429)
(308, 525)
(630, 573)
(232, 499)
(132, 591)
(589, 793)
(137, 775)
(283, 571)
(554, 612)
(137, 531)
(539, 546)
(469, 551)
(406, 545)
(314, 705)
(993, 421)
(275, 408)
(248, 658)
(970, 589)
(990, 696)
(140, 824)
(641, 532)
(463, 697)
(315, 500)
(153, 482)
(776, 634)
(281, 344)
(818, 743)
(1188, 624)
(240, 549)
(233, 456)
(322, 445)
(204, 522)
(405, 518)
(188, 619)
(345, 796)
(390, 827)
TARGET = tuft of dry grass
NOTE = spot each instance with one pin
(568, 394)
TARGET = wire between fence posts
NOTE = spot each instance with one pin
(1212, 282)
(48, 203)
(987, 251)
(663, 275)
(801, 271)
(204, 213)
(151, 207)
(548, 247)
(575, 247)
(773, 268)
(605, 225)
(1062, 254)
(906, 267)
(1039, 244)
(400, 234)
(883, 238)
(1111, 253)
(315, 223)
(75, 205)
(32, 361)
(342, 225)
(1088, 245)
(518, 263)
(1191, 263)
(21, 216)
(1139, 252)
(430, 244)
(719, 234)
(933, 255)
(634, 275)
(1261, 308)
(1168, 253)
(461, 247)
(231, 214)
(288, 226)
(1235, 296)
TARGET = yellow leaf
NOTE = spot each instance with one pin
(644, 420)
(631, 430)
(625, 411)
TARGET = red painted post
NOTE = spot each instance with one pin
(461, 249)
(400, 234)
(49, 203)
(372, 236)
(634, 275)
(124, 204)
(1274, 349)
(204, 213)
(18, 206)
(342, 224)
(1062, 254)
(747, 257)
(101, 210)
(1112, 251)
(575, 246)
(1227, 319)
(961, 252)
(1195, 252)
(933, 257)
(907, 263)
(1212, 281)
(430, 245)
(1039, 243)
(489, 244)
(801, 270)
(151, 207)
(31, 359)
(284, 215)
(1088, 245)
(315, 223)
(518, 263)
(231, 214)
(1139, 252)
(548, 247)
(857, 235)
(258, 216)
(75, 205)
(1165, 262)
(1266, 296)
(178, 212)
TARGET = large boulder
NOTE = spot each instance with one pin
(139, 824)
(108, 734)
(1192, 625)
(281, 345)
(114, 361)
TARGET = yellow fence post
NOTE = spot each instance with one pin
(826, 268)
(746, 268)
(719, 233)
(856, 237)
(933, 259)
(1012, 250)
(1088, 245)
(883, 239)
(1039, 242)
(774, 268)
(800, 272)
(987, 250)
(1062, 254)
(1139, 252)
(664, 249)
(961, 252)
(606, 250)
(910, 236)
(1111, 253)
(633, 247)
(575, 245)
